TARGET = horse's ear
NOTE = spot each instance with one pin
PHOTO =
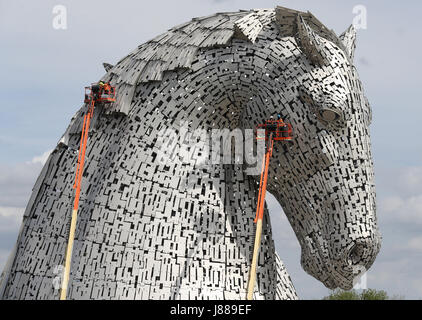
(107, 66)
(310, 43)
(348, 38)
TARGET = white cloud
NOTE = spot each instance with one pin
(405, 203)
(402, 209)
(409, 180)
(398, 265)
(9, 212)
(391, 204)
(16, 183)
(390, 275)
(10, 218)
(412, 246)
(415, 244)
(42, 158)
(4, 255)
(397, 270)
(404, 181)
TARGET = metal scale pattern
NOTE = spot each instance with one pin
(184, 229)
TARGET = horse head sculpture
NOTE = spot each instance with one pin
(154, 229)
(324, 179)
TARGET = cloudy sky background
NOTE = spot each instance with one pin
(44, 71)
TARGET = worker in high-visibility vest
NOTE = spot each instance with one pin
(105, 89)
(96, 88)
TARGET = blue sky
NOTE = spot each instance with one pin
(44, 71)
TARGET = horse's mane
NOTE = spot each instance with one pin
(177, 47)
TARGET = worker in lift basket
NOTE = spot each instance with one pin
(96, 88)
(271, 127)
(277, 129)
(105, 90)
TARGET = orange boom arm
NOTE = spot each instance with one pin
(275, 130)
(97, 93)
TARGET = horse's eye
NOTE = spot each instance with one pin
(326, 113)
(329, 115)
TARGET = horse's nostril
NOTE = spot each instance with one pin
(356, 254)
